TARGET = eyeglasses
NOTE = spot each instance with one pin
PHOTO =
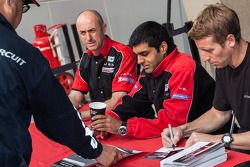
(26, 7)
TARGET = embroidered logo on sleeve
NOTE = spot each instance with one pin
(88, 132)
(12, 56)
(126, 77)
(180, 96)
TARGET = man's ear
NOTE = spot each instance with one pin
(7, 8)
(8, 3)
(104, 27)
(163, 47)
(230, 40)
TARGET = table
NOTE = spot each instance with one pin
(46, 152)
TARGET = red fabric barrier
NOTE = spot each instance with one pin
(46, 152)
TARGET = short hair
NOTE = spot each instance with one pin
(153, 34)
(97, 14)
(218, 21)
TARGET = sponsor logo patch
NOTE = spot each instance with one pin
(107, 70)
(180, 96)
(166, 88)
(111, 59)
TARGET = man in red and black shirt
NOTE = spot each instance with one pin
(179, 88)
(107, 69)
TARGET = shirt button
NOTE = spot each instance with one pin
(101, 92)
(99, 77)
(96, 62)
(153, 91)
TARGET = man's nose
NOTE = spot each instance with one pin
(140, 59)
(204, 56)
(88, 36)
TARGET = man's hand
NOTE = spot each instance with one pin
(105, 123)
(109, 156)
(75, 97)
(165, 136)
(197, 137)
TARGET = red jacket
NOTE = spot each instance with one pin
(179, 89)
(112, 71)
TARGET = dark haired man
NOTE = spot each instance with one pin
(179, 88)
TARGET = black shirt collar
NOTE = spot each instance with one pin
(5, 23)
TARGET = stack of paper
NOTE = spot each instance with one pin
(201, 154)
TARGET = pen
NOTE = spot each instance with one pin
(171, 135)
(232, 123)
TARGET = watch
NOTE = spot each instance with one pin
(227, 139)
(123, 129)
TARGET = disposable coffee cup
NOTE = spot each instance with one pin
(97, 108)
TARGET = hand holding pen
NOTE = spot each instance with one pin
(171, 135)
